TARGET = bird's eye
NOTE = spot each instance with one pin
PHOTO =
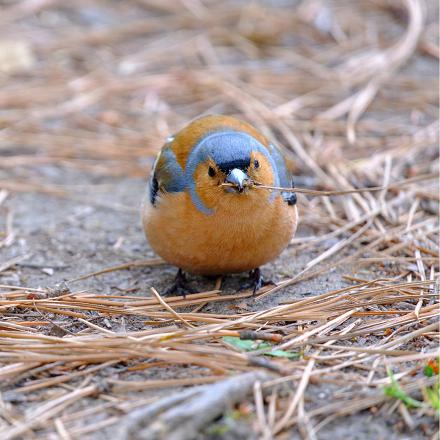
(211, 171)
(256, 163)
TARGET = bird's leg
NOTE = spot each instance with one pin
(255, 282)
(180, 285)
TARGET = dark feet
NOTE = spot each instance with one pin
(180, 286)
(255, 282)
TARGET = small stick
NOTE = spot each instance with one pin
(169, 308)
(312, 192)
(253, 335)
(186, 413)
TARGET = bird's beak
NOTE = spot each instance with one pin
(237, 178)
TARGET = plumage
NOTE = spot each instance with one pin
(202, 227)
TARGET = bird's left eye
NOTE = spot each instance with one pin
(256, 163)
(211, 172)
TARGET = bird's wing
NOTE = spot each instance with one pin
(284, 175)
(167, 175)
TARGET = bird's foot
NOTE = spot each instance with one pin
(180, 286)
(255, 281)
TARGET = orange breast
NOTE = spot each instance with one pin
(245, 232)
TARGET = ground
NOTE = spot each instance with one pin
(89, 92)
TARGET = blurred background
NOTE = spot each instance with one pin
(90, 89)
(96, 86)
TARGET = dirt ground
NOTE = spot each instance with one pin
(63, 239)
(87, 97)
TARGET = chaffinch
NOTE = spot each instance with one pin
(203, 227)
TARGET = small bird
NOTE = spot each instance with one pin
(197, 223)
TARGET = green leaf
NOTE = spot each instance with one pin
(251, 345)
(245, 344)
(433, 395)
(225, 424)
(394, 390)
(285, 354)
(428, 371)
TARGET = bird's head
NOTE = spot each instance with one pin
(223, 167)
(234, 174)
(217, 160)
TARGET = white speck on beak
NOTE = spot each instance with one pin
(237, 177)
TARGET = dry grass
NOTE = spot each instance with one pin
(329, 84)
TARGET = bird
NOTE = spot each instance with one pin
(201, 212)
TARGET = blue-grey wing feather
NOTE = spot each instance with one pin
(285, 176)
(167, 175)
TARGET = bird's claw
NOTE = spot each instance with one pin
(255, 281)
(180, 286)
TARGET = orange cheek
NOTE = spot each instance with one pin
(263, 174)
(208, 188)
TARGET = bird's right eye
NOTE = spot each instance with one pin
(211, 171)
